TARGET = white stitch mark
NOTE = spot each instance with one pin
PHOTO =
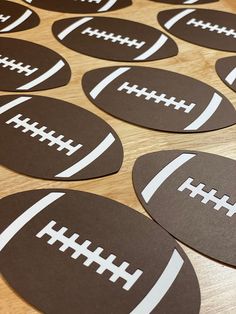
(231, 77)
(88, 159)
(162, 285)
(212, 28)
(26, 216)
(41, 132)
(208, 196)
(157, 98)
(19, 21)
(91, 256)
(4, 18)
(163, 175)
(112, 37)
(19, 67)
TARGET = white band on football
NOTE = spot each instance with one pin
(107, 6)
(72, 27)
(24, 218)
(231, 77)
(161, 287)
(13, 104)
(20, 20)
(164, 174)
(178, 17)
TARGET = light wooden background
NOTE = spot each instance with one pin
(217, 282)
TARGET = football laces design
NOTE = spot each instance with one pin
(134, 89)
(112, 37)
(91, 256)
(208, 196)
(19, 67)
(212, 28)
(92, 1)
(4, 18)
(41, 132)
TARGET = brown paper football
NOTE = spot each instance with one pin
(226, 69)
(208, 28)
(53, 139)
(73, 252)
(114, 39)
(158, 99)
(15, 17)
(80, 6)
(193, 196)
(26, 66)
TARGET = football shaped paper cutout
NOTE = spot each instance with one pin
(208, 28)
(114, 39)
(226, 69)
(158, 99)
(15, 17)
(52, 139)
(73, 252)
(80, 6)
(25, 66)
(186, 2)
(193, 196)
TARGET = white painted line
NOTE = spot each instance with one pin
(106, 81)
(29, 1)
(19, 21)
(190, 1)
(164, 174)
(87, 160)
(57, 67)
(72, 27)
(158, 44)
(24, 218)
(161, 287)
(231, 77)
(206, 114)
(178, 17)
(107, 6)
(13, 104)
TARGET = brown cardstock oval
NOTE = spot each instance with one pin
(15, 17)
(53, 139)
(208, 28)
(185, 2)
(158, 99)
(67, 251)
(114, 39)
(26, 66)
(226, 69)
(81, 6)
(193, 196)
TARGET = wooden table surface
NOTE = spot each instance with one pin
(217, 281)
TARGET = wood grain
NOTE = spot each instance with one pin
(217, 282)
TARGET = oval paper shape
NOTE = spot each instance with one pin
(158, 99)
(15, 17)
(80, 6)
(208, 28)
(186, 2)
(114, 39)
(226, 69)
(25, 66)
(102, 253)
(193, 196)
(53, 139)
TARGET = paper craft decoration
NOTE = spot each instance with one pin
(114, 39)
(80, 6)
(187, 2)
(158, 99)
(15, 17)
(226, 69)
(52, 139)
(208, 28)
(193, 196)
(25, 66)
(67, 251)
